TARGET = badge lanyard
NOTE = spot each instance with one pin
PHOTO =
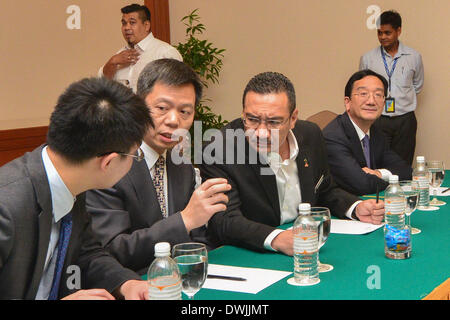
(389, 102)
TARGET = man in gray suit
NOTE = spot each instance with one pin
(47, 249)
(158, 199)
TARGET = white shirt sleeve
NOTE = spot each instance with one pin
(348, 214)
(270, 237)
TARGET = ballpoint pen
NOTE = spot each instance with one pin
(216, 276)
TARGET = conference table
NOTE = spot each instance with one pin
(356, 259)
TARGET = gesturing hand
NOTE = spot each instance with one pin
(206, 200)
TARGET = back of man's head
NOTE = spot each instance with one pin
(392, 18)
(95, 116)
(144, 13)
(170, 72)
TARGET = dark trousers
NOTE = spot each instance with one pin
(400, 133)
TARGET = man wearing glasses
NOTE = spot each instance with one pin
(158, 199)
(291, 167)
(358, 154)
(47, 248)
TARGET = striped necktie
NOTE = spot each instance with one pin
(63, 244)
(158, 183)
(366, 149)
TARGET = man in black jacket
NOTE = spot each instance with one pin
(358, 154)
(273, 163)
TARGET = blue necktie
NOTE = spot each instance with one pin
(366, 149)
(63, 243)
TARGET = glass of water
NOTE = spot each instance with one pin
(322, 215)
(192, 260)
(437, 171)
(411, 190)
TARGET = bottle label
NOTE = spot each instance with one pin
(397, 240)
(394, 206)
(306, 242)
(421, 181)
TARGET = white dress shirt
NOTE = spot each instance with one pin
(288, 186)
(62, 203)
(149, 49)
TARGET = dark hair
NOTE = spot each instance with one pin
(170, 72)
(362, 74)
(96, 116)
(144, 13)
(391, 17)
(271, 82)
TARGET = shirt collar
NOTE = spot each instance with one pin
(151, 156)
(360, 133)
(401, 50)
(62, 199)
(274, 158)
(142, 45)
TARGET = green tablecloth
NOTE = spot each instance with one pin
(357, 260)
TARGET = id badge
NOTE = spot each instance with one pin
(389, 105)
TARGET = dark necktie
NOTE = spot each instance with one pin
(158, 182)
(366, 149)
(63, 243)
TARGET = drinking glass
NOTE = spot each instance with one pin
(437, 171)
(192, 260)
(411, 190)
(322, 215)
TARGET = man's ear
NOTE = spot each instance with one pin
(294, 117)
(347, 103)
(105, 161)
(148, 26)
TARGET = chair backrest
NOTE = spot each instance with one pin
(322, 118)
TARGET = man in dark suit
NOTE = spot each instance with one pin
(47, 249)
(274, 162)
(157, 200)
(358, 154)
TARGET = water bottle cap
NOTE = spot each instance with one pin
(420, 158)
(304, 207)
(162, 249)
(393, 179)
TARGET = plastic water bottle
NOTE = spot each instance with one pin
(422, 177)
(306, 247)
(164, 278)
(397, 232)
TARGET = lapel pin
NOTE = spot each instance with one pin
(306, 163)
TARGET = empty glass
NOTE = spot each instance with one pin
(437, 171)
(322, 215)
(411, 190)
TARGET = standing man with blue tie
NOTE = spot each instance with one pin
(359, 157)
(403, 69)
(45, 231)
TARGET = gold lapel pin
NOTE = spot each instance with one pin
(306, 163)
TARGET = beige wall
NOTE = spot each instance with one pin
(317, 44)
(40, 56)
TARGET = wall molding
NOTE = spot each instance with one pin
(15, 142)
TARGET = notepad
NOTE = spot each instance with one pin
(352, 227)
(257, 279)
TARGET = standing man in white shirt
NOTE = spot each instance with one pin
(142, 47)
(403, 69)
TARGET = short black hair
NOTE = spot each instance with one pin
(143, 11)
(391, 17)
(96, 116)
(170, 72)
(271, 82)
(362, 74)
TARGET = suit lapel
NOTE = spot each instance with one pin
(39, 180)
(146, 194)
(177, 183)
(304, 170)
(355, 143)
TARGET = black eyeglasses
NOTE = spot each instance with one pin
(139, 157)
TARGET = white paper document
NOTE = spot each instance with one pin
(352, 227)
(439, 192)
(256, 279)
